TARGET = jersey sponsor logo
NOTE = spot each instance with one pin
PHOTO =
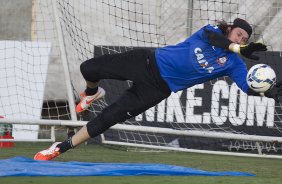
(202, 61)
(221, 61)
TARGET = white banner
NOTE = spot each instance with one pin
(23, 71)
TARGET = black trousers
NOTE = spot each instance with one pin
(148, 87)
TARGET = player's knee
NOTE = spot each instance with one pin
(84, 69)
(89, 70)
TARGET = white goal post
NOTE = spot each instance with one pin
(40, 80)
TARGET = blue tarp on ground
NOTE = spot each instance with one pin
(22, 166)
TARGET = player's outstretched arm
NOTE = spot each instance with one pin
(222, 41)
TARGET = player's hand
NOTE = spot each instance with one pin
(275, 91)
(248, 50)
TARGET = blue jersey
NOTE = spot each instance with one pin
(196, 61)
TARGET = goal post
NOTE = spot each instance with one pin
(169, 131)
(214, 117)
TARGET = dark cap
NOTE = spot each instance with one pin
(243, 25)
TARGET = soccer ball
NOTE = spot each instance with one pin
(261, 77)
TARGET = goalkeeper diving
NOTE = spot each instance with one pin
(211, 52)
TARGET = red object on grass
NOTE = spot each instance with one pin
(6, 136)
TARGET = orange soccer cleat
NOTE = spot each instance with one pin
(48, 154)
(86, 101)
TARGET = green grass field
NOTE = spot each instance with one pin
(266, 170)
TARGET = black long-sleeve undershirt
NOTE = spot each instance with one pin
(218, 40)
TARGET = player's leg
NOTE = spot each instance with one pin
(135, 101)
(121, 66)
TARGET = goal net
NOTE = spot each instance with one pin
(215, 116)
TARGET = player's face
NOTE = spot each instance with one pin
(238, 35)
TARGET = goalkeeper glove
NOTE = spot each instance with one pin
(247, 50)
(275, 91)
